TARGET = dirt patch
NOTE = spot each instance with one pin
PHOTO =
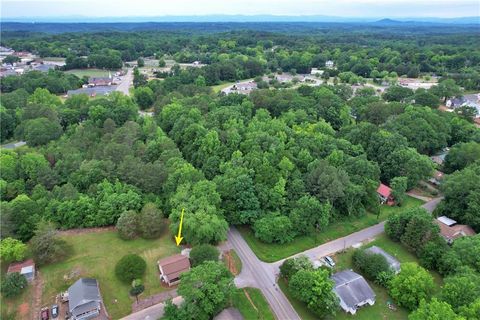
(85, 230)
(250, 300)
(23, 310)
(37, 293)
(229, 262)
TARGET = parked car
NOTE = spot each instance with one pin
(54, 311)
(44, 314)
(329, 261)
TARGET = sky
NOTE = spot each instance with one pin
(340, 8)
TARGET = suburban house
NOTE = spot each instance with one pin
(385, 194)
(100, 81)
(437, 178)
(450, 230)
(352, 290)
(171, 268)
(392, 262)
(329, 64)
(241, 87)
(25, 268)
(84, 300)
(471, 100)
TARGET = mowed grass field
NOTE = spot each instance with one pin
(95, 255)
(380, 309)
(261, 311)
(90, 72)
(274, 252)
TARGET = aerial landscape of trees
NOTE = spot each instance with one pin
(285, 162)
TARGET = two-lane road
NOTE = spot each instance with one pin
(126, 83)
(261, 275)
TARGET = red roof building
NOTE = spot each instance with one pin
(25, 268)
(385, 194)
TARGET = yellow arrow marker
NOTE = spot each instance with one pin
(179, 237)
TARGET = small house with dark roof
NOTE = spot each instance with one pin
(392, 262)
(171, 267)
(352, 290)
(100, 81)
(84, 300)
(385, 194)
(25, 268)
(450, 230)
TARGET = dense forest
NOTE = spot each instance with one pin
(367, 51)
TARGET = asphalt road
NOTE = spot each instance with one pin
(431, 205)
(126, 83)
(261, 275)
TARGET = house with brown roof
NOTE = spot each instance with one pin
(385, 194)
(25, 268)
(171, 267)
(450, 230)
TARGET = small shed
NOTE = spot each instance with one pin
(392, 262)
(25, 268)
(171, 268)
(385, 194)
(352, 290)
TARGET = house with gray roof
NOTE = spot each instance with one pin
(84, 300)
(392, 262)
(352, 290)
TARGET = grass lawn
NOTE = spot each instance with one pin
(18, 308)
(219, 87)
(243, 304)
(90, 72)
(95, 255)
(274, 252)
(380, 309)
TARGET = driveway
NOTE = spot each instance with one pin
(430, 206)
(126, 83)
(152, 313)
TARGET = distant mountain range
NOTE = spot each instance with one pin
(246, 18)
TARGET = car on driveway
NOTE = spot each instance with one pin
(329, 261)
(44, 314)
(54, 311)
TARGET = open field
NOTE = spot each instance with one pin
(90, 72)
(243, 304)
(380, 309)
(219, 87)
(274, 252)
(95, 255)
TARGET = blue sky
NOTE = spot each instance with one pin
(342, 8)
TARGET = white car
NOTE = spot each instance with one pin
(329, 261)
